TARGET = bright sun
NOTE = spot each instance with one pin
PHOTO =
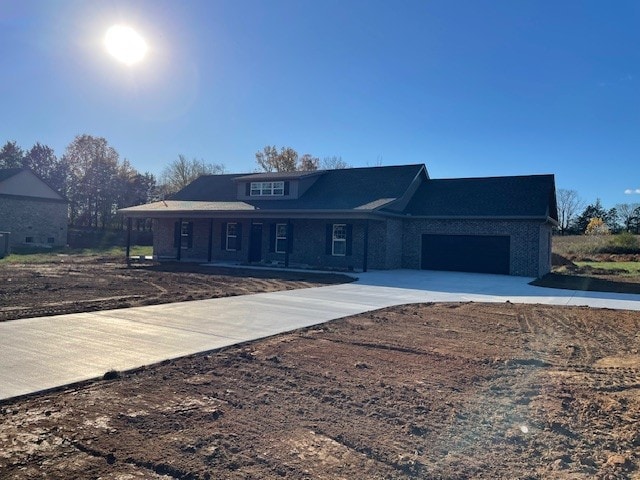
(125, 44)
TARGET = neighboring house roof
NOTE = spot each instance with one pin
(23, 183)
(8, 173)
(516, 196)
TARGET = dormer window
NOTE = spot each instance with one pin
(271, 189)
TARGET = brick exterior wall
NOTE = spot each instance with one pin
(163, 241)
(40, 220)
(529, 241)
(309, 243)
(544, 261)
(393, 243)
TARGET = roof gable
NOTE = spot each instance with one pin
(8, 173)
(23, 182)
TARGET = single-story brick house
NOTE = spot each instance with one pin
(30, 210)
(359, 219)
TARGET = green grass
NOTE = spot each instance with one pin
(632, 268)
(46, 255)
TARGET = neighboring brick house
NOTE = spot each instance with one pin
(359, 219)
(31, 211)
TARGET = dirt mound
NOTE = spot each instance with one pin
(558, 260)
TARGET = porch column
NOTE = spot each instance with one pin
(128, 249)
(179, 242)
(365, 249)
(210, 251)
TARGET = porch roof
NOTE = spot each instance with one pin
(182, 208)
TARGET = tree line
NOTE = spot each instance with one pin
(94, 179)
(97, 182)
(576, 217)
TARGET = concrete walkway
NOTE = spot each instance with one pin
(42, 353)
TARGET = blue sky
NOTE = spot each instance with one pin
(470, 88)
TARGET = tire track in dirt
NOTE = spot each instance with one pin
(409, 392)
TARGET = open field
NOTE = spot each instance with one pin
(421, 391)
(578, 247)
(579, 265)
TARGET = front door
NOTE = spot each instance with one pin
(255, 246)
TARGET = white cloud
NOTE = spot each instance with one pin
(631, 191)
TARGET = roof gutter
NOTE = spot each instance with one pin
(305, 214)
(404, 216)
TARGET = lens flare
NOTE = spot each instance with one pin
(125, 44)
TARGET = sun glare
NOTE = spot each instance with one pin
(125, 44)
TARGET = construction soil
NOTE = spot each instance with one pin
(433, 391)
(69, 284)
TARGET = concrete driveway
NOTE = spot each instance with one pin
(41, 353)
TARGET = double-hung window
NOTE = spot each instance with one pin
(269, 189)
(339, 240)
(281, 238)
(232, 236)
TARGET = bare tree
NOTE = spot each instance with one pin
(333, 163)
(628, 214)
(272, 160)
(569, 203)
(182, 171)
(308, 163)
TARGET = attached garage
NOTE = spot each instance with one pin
(466, 253)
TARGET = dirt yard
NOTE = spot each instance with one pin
(80, 284)
(444, 391)
(425, 391)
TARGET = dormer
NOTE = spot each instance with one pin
(275, 185)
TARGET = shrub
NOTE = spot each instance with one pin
(622, 243)
(597, 227)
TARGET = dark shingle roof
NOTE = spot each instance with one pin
(517, 196)
(346, 189)
(375, 188)
(210, 188)
(351, 189)
(255, 177)
(8, 173)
